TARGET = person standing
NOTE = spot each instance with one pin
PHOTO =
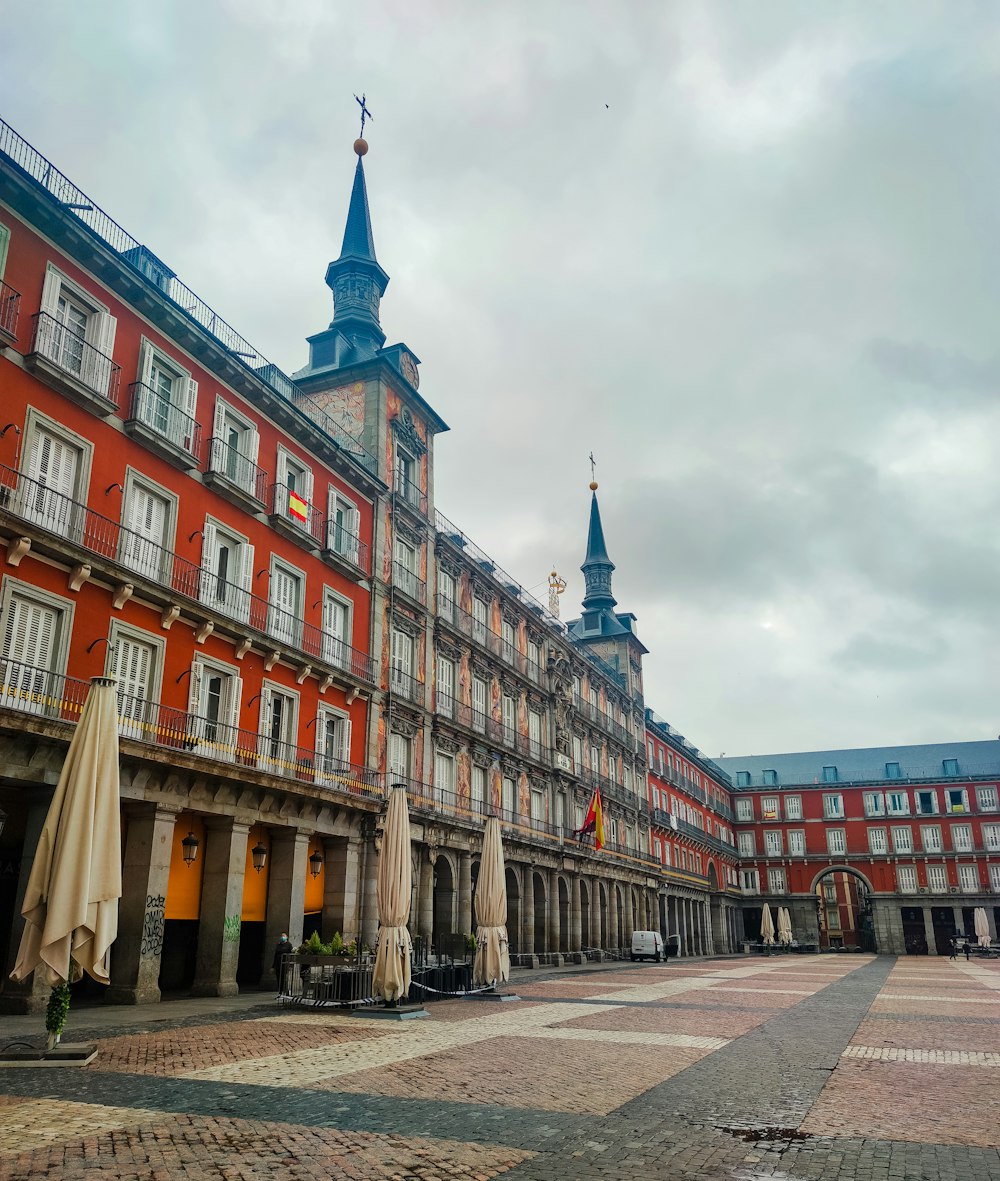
(954, 948)
(280, 951)
(967, 948)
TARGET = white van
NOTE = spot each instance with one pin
(647, 945)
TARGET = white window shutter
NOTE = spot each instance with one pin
(281, 476)
(104, 333)
(307, 480)
(145, 362)
(194, 692)
(244, 580)
(219, 420)
(265, 709)
(235, 687)
(345, 740)
(253, 444)
(4, 243)
(50, 291)
(208, 546)
(191, 410)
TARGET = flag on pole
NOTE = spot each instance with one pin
(595, 820)
(297, 507)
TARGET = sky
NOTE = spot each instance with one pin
(744, 252)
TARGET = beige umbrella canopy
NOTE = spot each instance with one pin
(982, 926)
(393, 884)
(766, 926)
(492, 964)
(71, 902)
(784, 925)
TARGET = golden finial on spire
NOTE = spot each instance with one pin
(593, 473)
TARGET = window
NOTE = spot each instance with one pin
(509, 796)
(446, 687)
(991, 837)
(227, 571)
(995, 878)
(400, 756)
(750, 881)
(333, 743)
(538, 807)
(772, 843)
(4, 244)
(444, 773)
(577, 753)
(769, 778)
(509, 636)
(480, 708)
(833, 807)
(829, 774)
(478, 785)
(293, 491)
(235, 449)
(165, 398)
(956, 799)
(148, 515)
(214, 706)
(902, 839)
(508, 714)
(76, 332)
(401, 663)
(926, 802)
(961, 838)
(906, 879)
(835, 842)
(796, 842)
(342, 527)
(613, 768)
(36, 629)
(937, 879)
(793, 807)
(404, 567)
(892, 771)
(745, 844)
(877, 841)
(595, 760)
(742, 778)
(897, 803)
(770, 808)
(56, 471)
(744, 809)
(535, 733)
(337, 629)
(446, 594)
(930, 838)
(949, 766)
(534, 659)
(776, 881)
(284, 612)
(874, 803)
(480, 619)
(986, 799)
(135, 660)
(279, 710)
(404, 473)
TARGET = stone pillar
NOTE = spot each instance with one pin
(135, 954)
(575, 915)
(929, 931)
(612, 915)
(553, 919)
(465, 893)
(528, 913)
(221, 908)
(286, 895)
(369, 904)
(630, 905)
(31, 995)
(425, 899)
(341, 881)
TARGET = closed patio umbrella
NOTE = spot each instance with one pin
(492, 964)
(784, 926)
(766, 927)
(71, 901)
(393, 884)
(982, 927)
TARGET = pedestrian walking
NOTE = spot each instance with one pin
(280, 952)
(967, 948)
(954, 949)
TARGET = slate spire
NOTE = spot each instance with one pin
(358, 238)
(597, 566)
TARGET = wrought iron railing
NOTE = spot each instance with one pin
(162, 417)
(409, 491)
(410, 584)
(67, 519)
(75, 356)
(228, 461)
(10, 304)
(287, 505)
(405, 684)
(345, 544)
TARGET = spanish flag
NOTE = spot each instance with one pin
(595, 820)
(297, 507)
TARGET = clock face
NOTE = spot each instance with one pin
(409, 369)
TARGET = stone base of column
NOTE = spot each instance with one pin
(131, 996)
(575, 957)
(215, 988)
(532, 962)
(558, 959)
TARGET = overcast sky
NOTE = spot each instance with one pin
(746, 252)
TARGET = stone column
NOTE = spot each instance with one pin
(629, 917)
(553, 918)
(612, 915)
(341, 881)
(425, 899)
(528, 913)
(31, 995)
(369, 904)
(221, 908)
(135, 954)
(929, 931)
(575, 915)
(286, 895)
(465, 893)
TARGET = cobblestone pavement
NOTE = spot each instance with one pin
(802, 1068)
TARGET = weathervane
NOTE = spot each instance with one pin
(365, 113)
(593, 473)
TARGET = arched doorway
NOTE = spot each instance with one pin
(444, 903)
(513, 910)
(563, 916)
(845, 909)
(541, 912)
(713, 877)
(585, 914)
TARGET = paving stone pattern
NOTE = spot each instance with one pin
(806, 1068)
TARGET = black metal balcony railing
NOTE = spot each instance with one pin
(347, 545)
(597, 716)
(484, 723)
(163, 418)
(410, 584)
(287, 506)
(405, 685)
(446, 608)
(75, 356)
(50, 695)
(10, 304)
(228, 461)
(68, 520)
(409, 491)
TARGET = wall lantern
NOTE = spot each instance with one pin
(315, 862)
(189, 847)
(259, 855)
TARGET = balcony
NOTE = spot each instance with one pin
(402, 684)
(597, 716)
(294, 517)
(408, 493)
(163, 427)
(345, 551)
(235, 475)
(66, 520)
(45, 694)
(73, 366)
(10, 304)
(404, 580)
